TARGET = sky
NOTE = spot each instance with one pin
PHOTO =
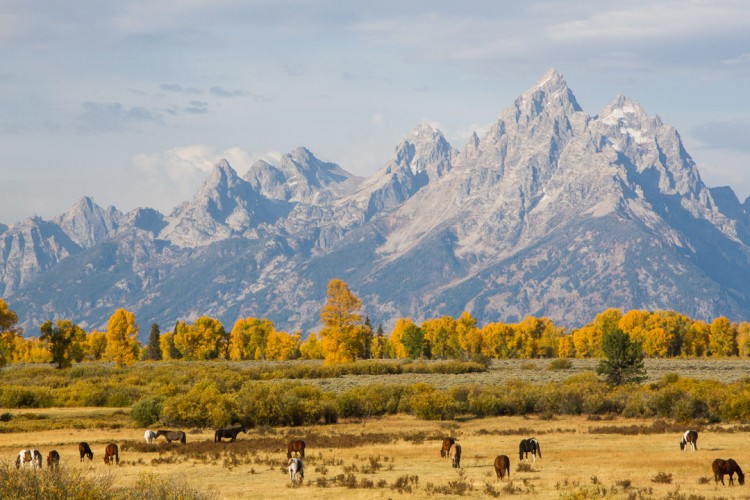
(133, 102)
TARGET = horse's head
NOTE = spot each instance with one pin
(682, 445)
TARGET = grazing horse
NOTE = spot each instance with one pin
(149, 436)
(527, 446)
(85, 450)
(53, 459)
(172, 436)
(722, 467)
(445, 449)
(228, 432)
(296, 470)
(456, 463)
(29, 458)
(111, 452)
(689, 438)
(502, 466)
(295, 446)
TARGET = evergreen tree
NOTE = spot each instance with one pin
(153, 350)
(624, 359)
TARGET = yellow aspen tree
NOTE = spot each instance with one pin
(469, 336)
(495, 337)
(9, 332)
(399, 349)
(96, 345)
(312, 348)
(696, 340)
(722, 337)
(657, 342)
(122, 338)
(743, 339)
(342, 337)
(565, 347)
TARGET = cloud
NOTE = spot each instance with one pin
(729, 135)
(114, 117)
(650, 21)
(221, 92)
(742, 59)
(179, 89)
(174, 176)
(197, 107)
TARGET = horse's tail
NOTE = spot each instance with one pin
(117, 454)
(183, 438)
(539, 449)
(217, 436)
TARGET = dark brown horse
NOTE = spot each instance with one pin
(722, 467)
(111, 453)
(502, 466)
(456, 463)
(445, 449)
(85, 450)
(228, 432)
(173, 436)
(295, 446)
(53, 459)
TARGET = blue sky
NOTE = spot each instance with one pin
(133, 102)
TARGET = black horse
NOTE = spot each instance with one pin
(527, 446)
(85, 450)
(722, 467)
(172, 436)
(229, 432)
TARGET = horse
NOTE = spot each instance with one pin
(29, 458)
(527, 446)
(295, 446)
(456, 463)
(172, 436)
(502, 466)
(689, 438)
(85, 450)
(110, 452)
(721, 467)
(296, 470)
(53, 459)
(229, 432)
(445, 449)
(149, 436)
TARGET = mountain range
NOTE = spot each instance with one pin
(552, 212)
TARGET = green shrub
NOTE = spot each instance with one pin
(147, 411)
(434, 405)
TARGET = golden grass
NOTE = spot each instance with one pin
(574, 461)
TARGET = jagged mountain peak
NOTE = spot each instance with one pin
(551, 94)
(300, 177)
(86, 223)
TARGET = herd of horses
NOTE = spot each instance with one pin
(32, 458)
(501, 464)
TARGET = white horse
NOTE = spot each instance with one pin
(149, 436)
(29, 458)
(689, 438)
(296, 470)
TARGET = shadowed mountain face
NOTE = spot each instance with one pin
(552, 213)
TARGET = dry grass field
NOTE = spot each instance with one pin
(397, 457)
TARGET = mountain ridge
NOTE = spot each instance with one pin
(552, 212)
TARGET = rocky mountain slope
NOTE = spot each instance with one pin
(553, 212)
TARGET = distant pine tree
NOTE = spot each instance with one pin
(624, 359)
(153, 351)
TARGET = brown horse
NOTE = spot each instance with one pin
(456, 463)
(722, 467)
(295, 446)
(111, 452)
(445, 449)
(53, 459)
(502, 466)
(85, 450)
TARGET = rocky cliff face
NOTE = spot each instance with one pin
(553, 212)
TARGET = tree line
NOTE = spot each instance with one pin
(347, 336)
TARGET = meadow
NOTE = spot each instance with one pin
(396, 455)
